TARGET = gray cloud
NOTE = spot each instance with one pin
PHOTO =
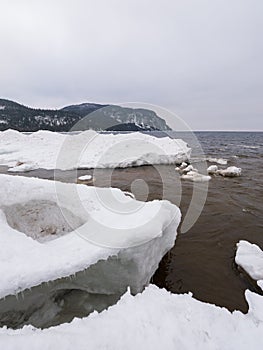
(200, 59)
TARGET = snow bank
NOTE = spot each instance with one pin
(147, 320)
(50, 150)
(250, 258)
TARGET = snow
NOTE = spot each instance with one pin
(98, 223)
(231, 171)
(220, 161)
(85, 177)
(147, 320)
(250, 258)
(88, 149)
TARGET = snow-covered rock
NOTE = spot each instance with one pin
(88, 149)
(231, 171)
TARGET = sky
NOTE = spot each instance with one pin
(200, 59)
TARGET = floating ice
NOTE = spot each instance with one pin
(188, 169)
(85, 177)
(88, 149)
(220, 161)
(195, 177)
(250, 258)
(23, 167)
(183, 165)
(212, 169)
(231, 171)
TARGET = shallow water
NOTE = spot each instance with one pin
(202, 260)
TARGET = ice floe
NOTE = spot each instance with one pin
(212, 169)
(250, 257)
(23, 167)
(188, 169)
(88, 149)
(231, 171)
(220, 161)
(85, 177)
(188, 172)
(195, 177)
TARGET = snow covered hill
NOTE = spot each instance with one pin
(96, 117)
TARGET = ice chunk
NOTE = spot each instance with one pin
(212, 169)
(250, 258)
(85, 177)
(189, 168)
(23, 167)
(183, 165)
(231, 171)
(195, 177)
(220, 161)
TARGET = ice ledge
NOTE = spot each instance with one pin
(50, 150)
(147, 320)
(146, 234)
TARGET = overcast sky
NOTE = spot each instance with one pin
(201, 59)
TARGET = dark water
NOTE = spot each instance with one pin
(202, 260)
